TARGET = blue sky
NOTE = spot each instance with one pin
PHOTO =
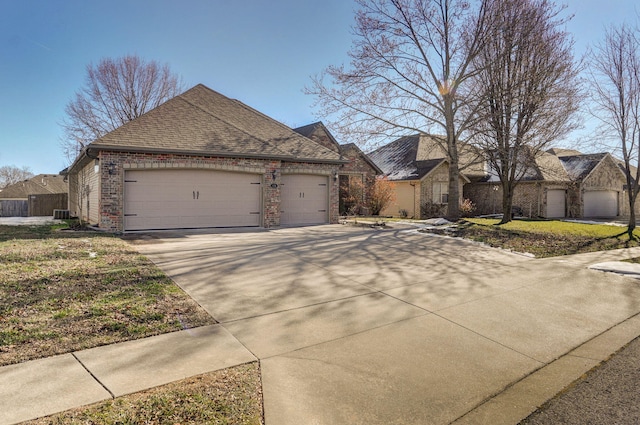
(260, 52)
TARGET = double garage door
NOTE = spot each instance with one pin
(187, 199)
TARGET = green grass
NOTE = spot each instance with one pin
(556, 227)
(546, 238)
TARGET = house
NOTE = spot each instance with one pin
(541, 191)
(37, 196)
(560, 183)
(418, 167)
(201, 160)
(359, 166)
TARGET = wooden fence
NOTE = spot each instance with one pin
(14, 208)
(43, 205)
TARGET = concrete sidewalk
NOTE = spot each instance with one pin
(359, 326)
(42, 387)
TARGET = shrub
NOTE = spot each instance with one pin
(431, 210)
(380, 195)
(467, 208)
(352, 192)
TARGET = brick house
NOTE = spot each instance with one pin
(418, 168)
(358, 167)
(561, 183)
(204, 160)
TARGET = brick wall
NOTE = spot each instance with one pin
(320, 136)
(357, 166)
(439, 175)
(114, 164)
(531, 197)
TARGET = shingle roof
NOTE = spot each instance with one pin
(405, 159)
(41, 184)
(319, 133)
(579, 166)
(203, 121)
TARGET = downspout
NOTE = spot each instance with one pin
(413, 206)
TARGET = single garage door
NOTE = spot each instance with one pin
(600, 203)
(188, 199)
(305, 199)
(556, 203)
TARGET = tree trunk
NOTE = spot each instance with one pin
(507, 202)
(453, 206)
(633, 194)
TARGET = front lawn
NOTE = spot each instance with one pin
(546, 238)
(62, 292)
(226, 397)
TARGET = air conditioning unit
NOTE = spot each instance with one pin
(61, 214)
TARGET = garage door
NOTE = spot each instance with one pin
(556, 203)
(305, 199)
(601, 203)
(187, 199)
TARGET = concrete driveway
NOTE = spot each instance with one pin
(364, 326)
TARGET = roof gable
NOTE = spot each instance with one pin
(347, 148)
(319, 134)
(42, 184)
(205, 122)
(578, 167)
(397, 160)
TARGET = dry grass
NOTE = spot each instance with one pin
(230, 396)
(62, 292)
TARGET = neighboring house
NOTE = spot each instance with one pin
(37, 196)
(204, 160)
(541, 192)
(561, 183)
(558, 183)
(418, 168)
(359, 166)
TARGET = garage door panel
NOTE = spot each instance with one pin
(305, 199)
(600, 203)
(168, 199)
(556, 201)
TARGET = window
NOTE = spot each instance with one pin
(440, 193)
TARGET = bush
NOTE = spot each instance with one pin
(467, 208)
(431, 210)
(380, 195)
(352, 196)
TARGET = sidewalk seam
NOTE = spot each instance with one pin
(548, 364)
(93, 376)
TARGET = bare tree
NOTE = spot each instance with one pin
(10, 174)
(529, 85)
(615, 87)
(410, 65)
(116, 91)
